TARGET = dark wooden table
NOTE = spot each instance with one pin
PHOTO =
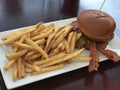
(20, 13)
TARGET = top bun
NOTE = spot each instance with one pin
(96, 25)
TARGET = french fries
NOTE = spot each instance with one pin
(47, 69)
(38, 48)
(41, 48)
(16, 37)
(65, 58)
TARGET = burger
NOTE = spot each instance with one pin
(98, 27)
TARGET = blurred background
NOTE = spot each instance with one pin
(20, 13)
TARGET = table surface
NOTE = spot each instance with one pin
(20, 13)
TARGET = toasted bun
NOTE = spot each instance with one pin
(96, 25)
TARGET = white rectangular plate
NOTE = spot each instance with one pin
(114, 45)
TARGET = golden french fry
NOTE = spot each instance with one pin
(14, 77)
(70, 38)
(60, 39)
(23, 46)
(31, 53)
(42, 35)
(16, 37)
(55, 53)
(33, 67)
(50, 45)
(48, 69)
(50, 59)
(7, 36)
(78, 35)
(50, 37)
(67, 29)
(85, 58)
(22, 70)
(73, 41)
(39, 24)
(9, 64)
(29, 61)
(58, 28)
(38, 48)
(47, 27)
(65, 58)
(34, 56)
(67, 46)
(38, 27)
(59, 47)
(40, 41)
(58, 34)
(56, 50)
(19, 67)
(17, 54)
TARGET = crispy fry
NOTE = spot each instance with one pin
(59, 40)
(42, 35)
(17, 54)
(57, 35)
(59, 47)
(70, 37)
(40, 41)
(9, 64)
(78, 35)
(24, 46)
(34, 56)
(14, 77)
(50, 59)
(48, 41)
(47, 27)
(73, 41)
(31, 53)
(67, 46)
(47, 69)
(22, 70)
(65, 58)
(38, 27)
(58, 28)
(19, 61)
(55, 53)
(7, 36)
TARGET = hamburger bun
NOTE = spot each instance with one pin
(96, 25)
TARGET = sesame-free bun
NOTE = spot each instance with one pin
(96, 25)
